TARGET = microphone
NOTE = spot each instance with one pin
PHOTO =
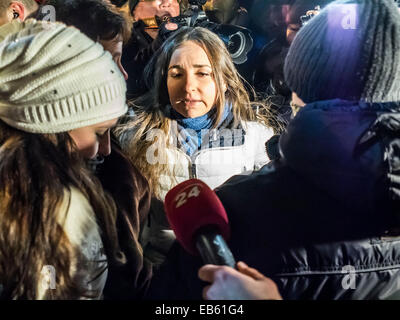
(199, 221)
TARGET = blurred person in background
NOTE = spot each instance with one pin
(145, 38)
(99, 19)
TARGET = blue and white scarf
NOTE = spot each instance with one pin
(197, 133)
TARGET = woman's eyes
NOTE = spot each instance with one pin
(294, 27)
(175, 75)
(203, 74)
(199, 73)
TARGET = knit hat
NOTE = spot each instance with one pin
(350, 50)
(54, 79)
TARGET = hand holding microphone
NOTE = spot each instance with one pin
(201, 225)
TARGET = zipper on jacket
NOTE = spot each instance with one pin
(193, 171)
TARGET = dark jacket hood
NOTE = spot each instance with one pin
(351, 150)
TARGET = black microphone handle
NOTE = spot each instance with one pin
(213, 248)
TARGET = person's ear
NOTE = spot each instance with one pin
(18, 10)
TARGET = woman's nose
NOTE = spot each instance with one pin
(190, 83)
(124, 73)
(105, 145)
(121, 68)
(165, 3)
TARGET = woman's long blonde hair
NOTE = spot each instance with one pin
(152, 110)
(35, 172)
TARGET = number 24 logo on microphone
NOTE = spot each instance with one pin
(182, 197)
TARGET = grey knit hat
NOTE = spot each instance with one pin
(53, 78)
(350, 50)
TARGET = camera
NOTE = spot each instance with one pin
(309, 15)
(237, 39)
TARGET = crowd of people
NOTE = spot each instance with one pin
(105, 106)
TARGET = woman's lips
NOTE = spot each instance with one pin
(189, 102)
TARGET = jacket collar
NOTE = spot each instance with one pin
(345, 148)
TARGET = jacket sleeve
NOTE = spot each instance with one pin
(177, 277)
(157, 236)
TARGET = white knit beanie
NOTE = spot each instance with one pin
(54, 79)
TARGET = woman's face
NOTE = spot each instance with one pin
(93, 140)
(114, 46)
(191, 86)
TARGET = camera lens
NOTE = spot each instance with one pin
(236, 44)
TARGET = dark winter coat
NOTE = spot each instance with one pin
(322, 221)
(136, 55)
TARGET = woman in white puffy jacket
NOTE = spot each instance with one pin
(196, 122)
